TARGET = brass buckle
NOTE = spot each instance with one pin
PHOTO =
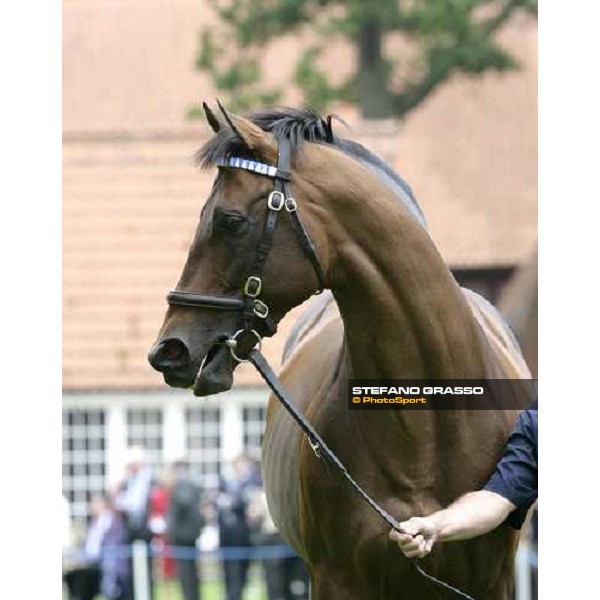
(291, 204)
(253, 286)
(276, 200)
(261, 309)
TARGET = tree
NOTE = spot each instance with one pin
(438, 38)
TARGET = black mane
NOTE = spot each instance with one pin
(301, 125)
(296, 124)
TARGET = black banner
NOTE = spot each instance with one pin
(440, 394)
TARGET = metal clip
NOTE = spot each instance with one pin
(276, 200)
(261, 309)
(290, 204)
(315, 447)
(232, 343)
(252, 286)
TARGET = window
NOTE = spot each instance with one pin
(84, 459)
(255, 418)
(145, 429)
(203, 440)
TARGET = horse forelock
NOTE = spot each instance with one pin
(296, 124)
(301, 125)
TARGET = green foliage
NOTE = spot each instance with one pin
(318, 91)
(442, 37)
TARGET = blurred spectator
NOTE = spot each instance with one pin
(286, 577)
(159, 507)
(114, 564)
(209, 536)
(183, 528)
(133, 500)
(234, 530)
(104, 567)
(83, 580)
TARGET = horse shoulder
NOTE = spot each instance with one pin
(309, 367)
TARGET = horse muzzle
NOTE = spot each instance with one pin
(210, 374)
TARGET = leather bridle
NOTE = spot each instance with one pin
(250, 306)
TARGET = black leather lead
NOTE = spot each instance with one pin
(323, 451)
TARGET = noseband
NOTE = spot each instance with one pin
(250, 305)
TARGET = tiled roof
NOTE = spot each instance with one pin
(131, 196)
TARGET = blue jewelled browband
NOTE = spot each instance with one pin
(254, 166)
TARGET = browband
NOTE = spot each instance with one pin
(236, 162)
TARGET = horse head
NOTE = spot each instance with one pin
(219, 292)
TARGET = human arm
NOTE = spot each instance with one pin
(471, 515)
(507, 495)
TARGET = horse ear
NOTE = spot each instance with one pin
(214, 123)
(261, 142)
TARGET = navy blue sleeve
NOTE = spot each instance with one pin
(515, 477)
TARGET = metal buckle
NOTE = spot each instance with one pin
(261, 309)
(315, 446)
(276, 200)
(290, 204)
(253, 286)
(231, 343)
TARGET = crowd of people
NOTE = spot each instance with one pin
(168, 516)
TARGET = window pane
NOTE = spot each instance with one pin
(83, 444)
(204, 444)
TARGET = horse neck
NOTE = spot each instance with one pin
(404, 314)
(404, 317)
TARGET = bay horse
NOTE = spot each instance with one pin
(392, 310)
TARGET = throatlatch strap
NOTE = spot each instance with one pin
(307, 246)
(322, 450)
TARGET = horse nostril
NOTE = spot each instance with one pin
(169, 354)
(173, 350)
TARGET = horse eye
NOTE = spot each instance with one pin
(229, 222)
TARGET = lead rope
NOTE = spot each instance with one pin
(322, 451)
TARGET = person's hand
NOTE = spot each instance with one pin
(419, 538)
